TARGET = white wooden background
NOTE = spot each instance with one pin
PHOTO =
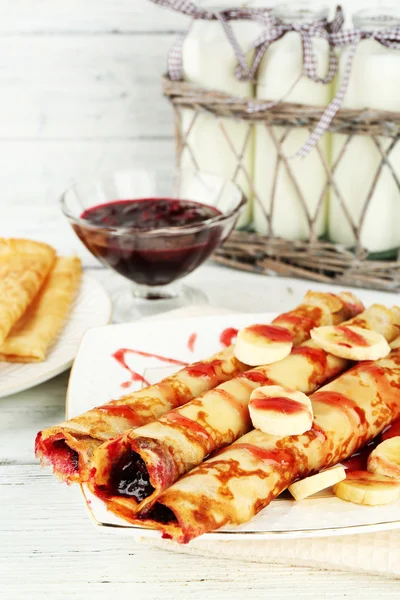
(80, 94)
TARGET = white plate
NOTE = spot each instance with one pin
(97, 377)
(92, 308)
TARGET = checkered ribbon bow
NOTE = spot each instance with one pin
(388, 37)
(320, 28)
(191, 9)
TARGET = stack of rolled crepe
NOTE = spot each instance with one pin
(181, 455)
(131, 471)
(36, 292)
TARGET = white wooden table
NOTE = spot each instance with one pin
(50, 548)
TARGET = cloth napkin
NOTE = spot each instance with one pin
(373, 554)
(370, 553)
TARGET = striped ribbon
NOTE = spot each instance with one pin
(191, 9)
(390, 38)
(306, 32)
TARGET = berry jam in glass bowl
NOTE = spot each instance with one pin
(158, 259)
(153, 230)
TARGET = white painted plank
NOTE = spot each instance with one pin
(67, 87)
(74, 86)
(109, 15)
(34, 174)
(49, 547)
(40, 16)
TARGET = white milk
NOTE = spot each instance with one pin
(209, 61)
(374, 83)
(280, 67)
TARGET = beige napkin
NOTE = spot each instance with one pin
(374, 553)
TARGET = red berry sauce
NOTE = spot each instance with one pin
(130, 478)
(150, 259)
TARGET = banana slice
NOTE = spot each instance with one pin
(263, 344)
(350, 342)
(371, 489)
(385, 459)
(311, 485)
(280, 411)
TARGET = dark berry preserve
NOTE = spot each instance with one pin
(137, 251)
(149, 213)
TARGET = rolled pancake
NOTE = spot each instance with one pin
(36, 330)
(132, 470)
(69, 447)
(24, 266)
(233, 486)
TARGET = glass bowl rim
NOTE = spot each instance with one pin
(172, 230)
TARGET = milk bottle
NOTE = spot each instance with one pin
(280, 67)
(209, 61)
(374, 84)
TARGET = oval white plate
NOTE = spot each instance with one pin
(97, 378)
(92, 308)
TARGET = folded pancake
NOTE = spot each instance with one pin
(131, 471)
(233, 486)
(69, 446)
(36, 330)
(24, 265)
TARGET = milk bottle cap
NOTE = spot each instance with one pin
(372, 19)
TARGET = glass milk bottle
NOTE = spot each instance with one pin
(209, 61)
(280, 67)
(374, 84)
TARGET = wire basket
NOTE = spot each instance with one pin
(316, 259)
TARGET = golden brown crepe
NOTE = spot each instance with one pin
(69, 447)
(24, 265)
(131, 470)
(36, 330)
(234, 485)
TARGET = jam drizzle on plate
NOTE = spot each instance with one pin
(191, 341)
(227, 336)
(120, 357)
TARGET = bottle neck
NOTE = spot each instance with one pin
(300, 12)
(375, 19)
